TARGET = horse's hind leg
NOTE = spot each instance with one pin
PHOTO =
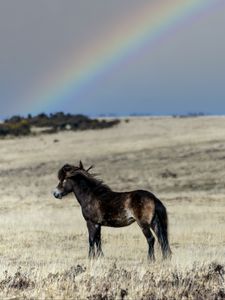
(150, 239)
(162, 235)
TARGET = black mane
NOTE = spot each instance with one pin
(94, 184)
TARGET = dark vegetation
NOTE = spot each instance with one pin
(198, 283)
(19, 126)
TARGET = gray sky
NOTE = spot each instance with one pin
(184, 73)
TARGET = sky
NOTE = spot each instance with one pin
(85, 56)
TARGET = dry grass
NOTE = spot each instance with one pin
(43, 249)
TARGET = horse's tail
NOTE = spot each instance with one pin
(160, 226)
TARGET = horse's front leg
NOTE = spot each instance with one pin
(94, 231)
(98, 241)
(91, 232)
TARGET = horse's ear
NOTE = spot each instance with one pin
(81, 166)
(91, 167)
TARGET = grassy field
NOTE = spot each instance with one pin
(43, 249)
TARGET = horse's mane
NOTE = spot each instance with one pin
(94, 183)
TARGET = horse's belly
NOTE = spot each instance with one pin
(118, 222)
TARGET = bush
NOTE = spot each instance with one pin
(15, 128)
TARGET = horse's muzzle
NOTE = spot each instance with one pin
(57, 194)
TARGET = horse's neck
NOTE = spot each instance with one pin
(85, 191)
(82, 193)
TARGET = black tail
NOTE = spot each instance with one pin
(160, 227)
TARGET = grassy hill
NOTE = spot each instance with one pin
(44, 242)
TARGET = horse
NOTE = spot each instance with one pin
(103, 207)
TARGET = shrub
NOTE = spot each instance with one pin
(15, 128)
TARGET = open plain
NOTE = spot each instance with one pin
(44, 242)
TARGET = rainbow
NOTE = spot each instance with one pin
(153, 23)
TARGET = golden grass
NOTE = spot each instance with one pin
(44, 241)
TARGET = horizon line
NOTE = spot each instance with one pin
(121, 115)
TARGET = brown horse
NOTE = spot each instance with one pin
(103, 207)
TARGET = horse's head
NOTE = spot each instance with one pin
(66, 177)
